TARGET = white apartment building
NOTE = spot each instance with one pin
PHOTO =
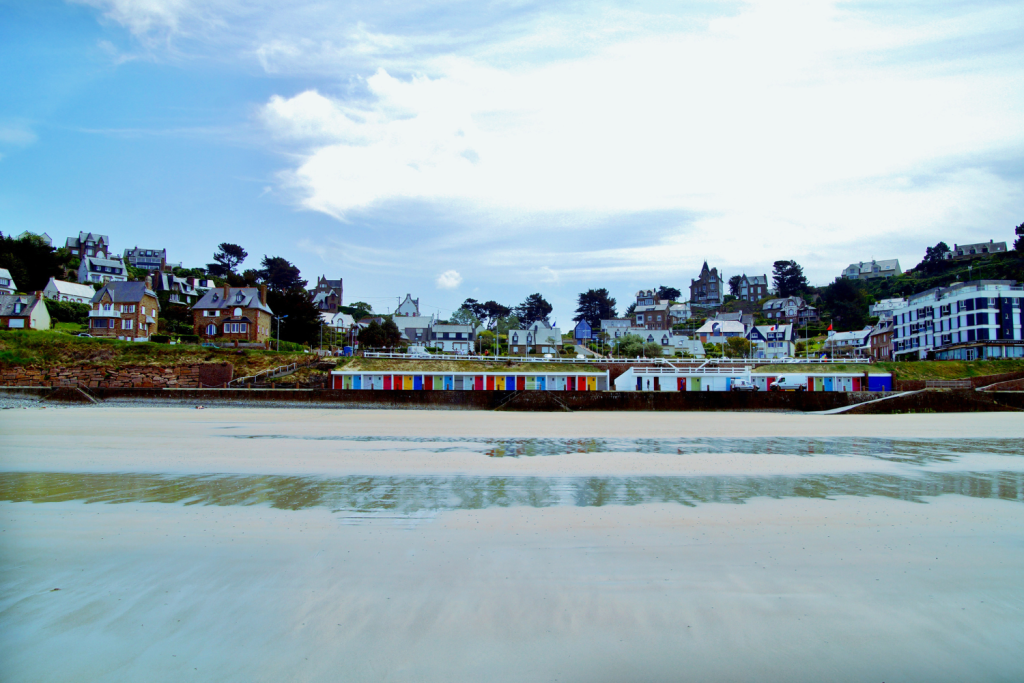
(965, 321)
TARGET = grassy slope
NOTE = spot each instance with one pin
(400, 365)
(947, 369)
(51, 348)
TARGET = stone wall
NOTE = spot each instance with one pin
(126, 376)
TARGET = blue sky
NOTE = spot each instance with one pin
(491, 150)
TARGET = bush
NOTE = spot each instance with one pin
(160, 339)
(68, 311)
(188, 338)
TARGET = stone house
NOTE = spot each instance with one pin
(146, 259)
(792, 310)
(752, 288)
(650, 312)
(239, 314)
(880, 341)
(124, 310)
(872, 270)
(89, 244)
(966, 252)
(327, 295)
(707, 289)
(23, 312)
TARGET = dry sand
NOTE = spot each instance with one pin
(797, 589)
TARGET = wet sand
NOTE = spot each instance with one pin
(227, 545)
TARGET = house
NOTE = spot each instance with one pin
(976, 320)
(538, 338)
(966, 252)
(42, 237)
(7, 285)
(89, 244)
(792, 310)
(752, 288)
(201, 285)
(453, 338)
(679, 313)
(23, 312)
(583, 332)
(415, 329)
(871, 270)
(614, 328)
(409, 307)
(239, 314)
(95, 269)
(59, 290)
(737, 317)
(344, 327)
(650, 312)
(707, 289)
(880, 341)
(178, 288)
(772, 341)
(124, 310)
(854, 343)
(327, 295)
(884, 308)
(717, 331)
(146, 259)
(670, 341)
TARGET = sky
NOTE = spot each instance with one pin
(456, 149)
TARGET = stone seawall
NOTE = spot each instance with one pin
(121, 377)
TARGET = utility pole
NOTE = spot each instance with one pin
(279, 319)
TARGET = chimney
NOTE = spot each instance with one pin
(149, 282)
(39, 295)
(263, 294)
(226, 292)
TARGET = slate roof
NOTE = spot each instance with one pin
(763, 330)
(108, 262)
(124, 292)
(214, 299)
(7, 302)
(72, 288)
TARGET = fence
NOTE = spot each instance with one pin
(273, 372)
(675, 362)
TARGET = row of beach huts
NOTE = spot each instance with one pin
(633, 379)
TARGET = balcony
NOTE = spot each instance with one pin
(105, 314)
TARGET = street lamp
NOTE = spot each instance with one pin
(279, 319)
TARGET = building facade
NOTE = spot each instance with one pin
(707, 289)
(453, 338)
(409, 306)
(772, 341)
(7, 285)
(124, 310)
(146, 259)
(872, 270)
(93, 269)
(791, 310)
(59, 290)
(752, 288)
(327, 295)
(233, 314)
(974, 320)
(89, 244)
(880, 341)
(884, 308)
(23, 312)
(652, 313)
(966, 252)
(538, 338)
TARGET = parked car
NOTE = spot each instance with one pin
(784, 384)
(743, 385)
(85, 334)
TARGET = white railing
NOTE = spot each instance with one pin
(670, 361)
(693, 371)
(270, 373)
(105, 314)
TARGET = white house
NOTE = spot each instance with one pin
(717, 331)
(7, 285)
(772, 341)
(884, 308)
(538, 338)
(855, 343)
(453, 338)
(24, 312)
(615, 328)
(870, 270)
(94, 269)
(59, 290)
(408, 307)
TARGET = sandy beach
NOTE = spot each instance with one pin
(309, 545)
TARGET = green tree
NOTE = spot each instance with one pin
(303, 322)
(934, 258)
(734, 284)
(846, 301)
(464, 316)
(1019, 242)
(788, 278)
(595, 305)
(227, 258)
(31, 261)
(534, 308)
(737, 347)
(372, 336)
(280, 274)
(668, 293)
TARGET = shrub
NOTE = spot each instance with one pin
(68, 311)
(160, 339)
(188, 338)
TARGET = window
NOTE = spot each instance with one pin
(238, 312)
(127, 324)
(211, 329)
(100, 322)
(127, 308)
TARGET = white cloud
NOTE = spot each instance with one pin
(16, 134)
(786, 122)
(449, 279)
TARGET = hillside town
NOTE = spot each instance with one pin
(873, 310)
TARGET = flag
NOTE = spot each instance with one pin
(830, 327)
(772, 328)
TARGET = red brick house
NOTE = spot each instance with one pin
(125, 310)
(233, 314)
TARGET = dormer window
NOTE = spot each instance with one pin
(215, 296)
(239, 298)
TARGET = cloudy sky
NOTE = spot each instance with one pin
(493, 149)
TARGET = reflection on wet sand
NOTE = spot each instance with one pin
(914, 451)
(412, 494)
